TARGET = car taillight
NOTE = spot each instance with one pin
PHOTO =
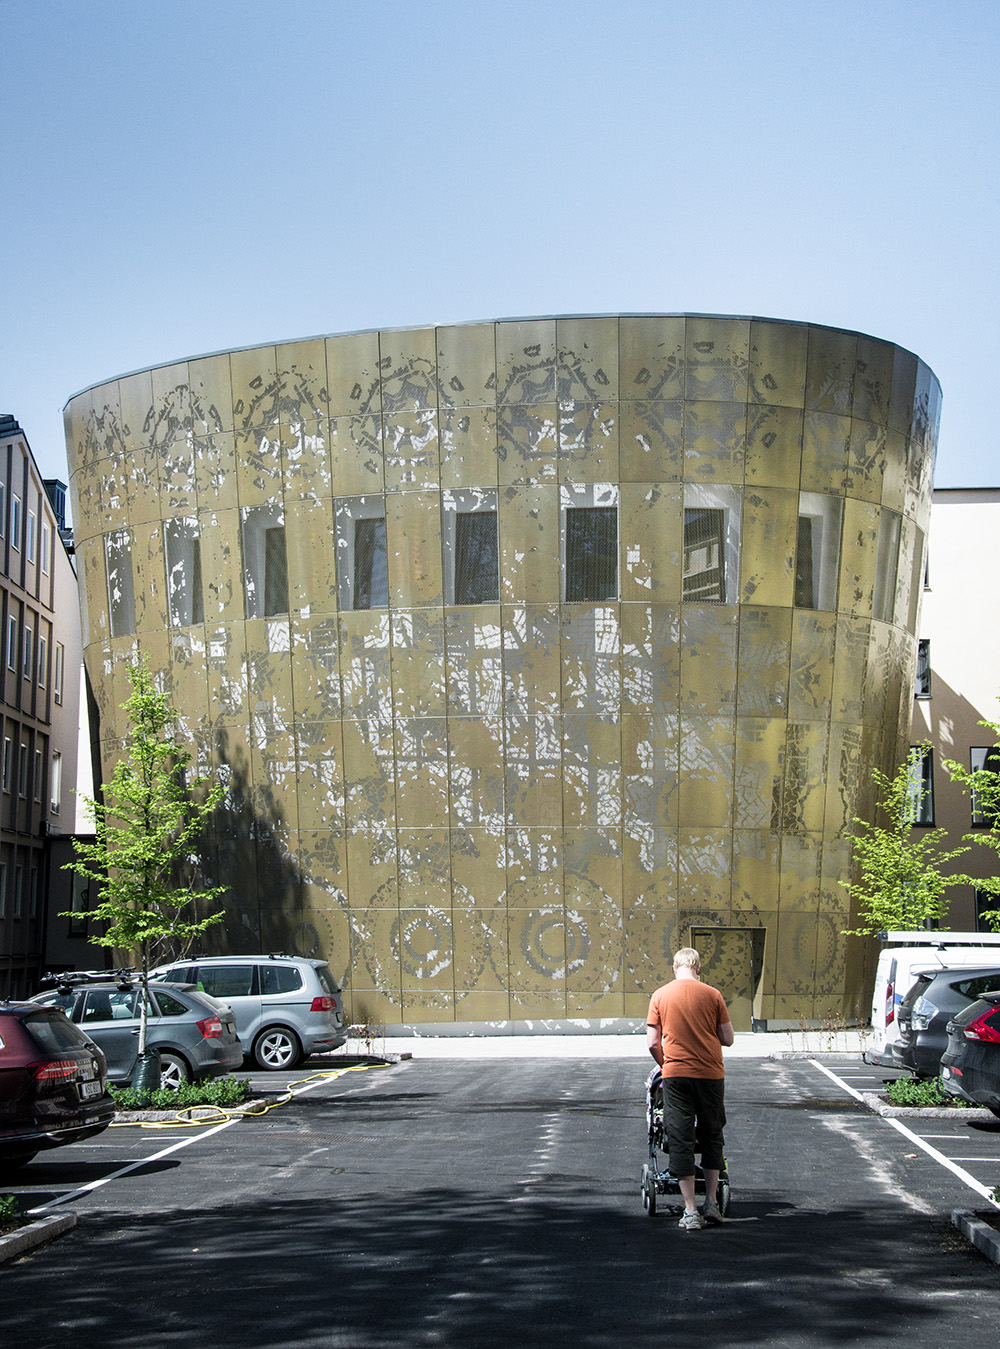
(982, 1028)
(57, 1070)
(324, 1004)
(211, 1027)
(890, 1003)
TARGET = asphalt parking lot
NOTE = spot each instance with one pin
(467, 1203)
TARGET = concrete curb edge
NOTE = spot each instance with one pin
(42, 1229)
(974, 1114)
(984, 1237)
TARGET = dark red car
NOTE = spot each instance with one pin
(53, 1082)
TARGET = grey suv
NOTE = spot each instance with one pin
(286, 1007)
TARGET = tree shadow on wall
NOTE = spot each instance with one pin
(242, 848)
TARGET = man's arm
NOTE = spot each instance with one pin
(654, 1045)
(725, 1032)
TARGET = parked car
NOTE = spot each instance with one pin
(195, 1036)
(286, 1007)
(970, 1066)
(935, 998)
(53, 1083)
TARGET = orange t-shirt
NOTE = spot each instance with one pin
(687, 1014)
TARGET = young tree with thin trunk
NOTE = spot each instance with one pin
(147, 826)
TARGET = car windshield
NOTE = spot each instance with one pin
(53, 1032)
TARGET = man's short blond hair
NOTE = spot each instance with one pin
(689, 957)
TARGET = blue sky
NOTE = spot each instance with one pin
(193, 175)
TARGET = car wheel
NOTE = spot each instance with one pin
(276, 1048)
(174, 1072)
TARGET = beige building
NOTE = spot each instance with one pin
(527, 650)
(41, 668)
(958, 677)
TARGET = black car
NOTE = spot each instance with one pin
(53, 1082)
(970, 1066)
(923, 1016)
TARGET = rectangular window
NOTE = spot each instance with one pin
(30, 536)
(886, 563)
(922, 683)
(265, 562)
(121, 592)
(57, 674)
(8, 759)
(817, 555)
(589, 542)
(711, 544)
(985, 802)
(362, 555)
(22, 772)
(3, 889)
(18, 890)
(43, 659)
(15, 521)
(38, 775)
(182, 549)
(46, 546)
(11, 642)
(471, 547)
(28, 656)
(33, 893)
(920, 789)
(55, 783)
(3, 510)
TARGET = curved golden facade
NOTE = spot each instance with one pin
(527, 650)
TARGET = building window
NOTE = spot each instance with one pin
(57, 674)
(28, 658)
(43, 659)
(886, 562)
(18, 890)
(15, 521)
(265, 562)
(922, 683)
(589, 542)
(711, 544)
(8, 756)
(362, 556)
(817, 554)
(121, 594)
(3, 889)
(985, 791)
(22, 772)
(55, 783)
(3, 510)
(30, 536)
(38, 775)
(182, 548)
(11, 642)
(46, 546)
(920, 788)
(470, 547)
(33, 893)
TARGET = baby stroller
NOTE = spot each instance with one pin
(655, 1181)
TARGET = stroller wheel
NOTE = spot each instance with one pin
(648, 1191)
(724, 1195)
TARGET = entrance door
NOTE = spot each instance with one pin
(732, 959)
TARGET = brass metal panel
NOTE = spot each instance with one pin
(756, 855)
(825, 440)
(473, 660)
(408, 366)
(866, 460)
(310, 545)
(215, 471)
(177, 479)
(873, 380)
(650, 770)
(320, 760)
(528, 443)
(255, 393)
(767, 546)
(803, 801)
(587, 369)
(830, 371)
(356, 463)
(704, 870)
(651, 441)
(811, 666)
(369, 770)
(706, 765)
(774, 446)
(418, 663)
(894, 479)
(588, 442)
(651, 654)
(590, 648)
(526, 361)
(210, 380)
(476, 776)
(759, 755)
(652, 537)
(529, 544)
(531, 659)
(365, 670)
(778, 364)
(652, 355)
(763, 662)
(259, 464)
(410, 447)
(303, 395)
(305, 449)
(717, 357)
(413, 544)
(352, 375)
(591, 770)
(858, 557)
(421, 763)
(533, 770)
(466, 365)
(316, 668)
(468, 447)
(221, 566)
(709, 637)
(715, 441)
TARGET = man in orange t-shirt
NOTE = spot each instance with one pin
(686, 1027)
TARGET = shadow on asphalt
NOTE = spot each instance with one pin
(556, 1265)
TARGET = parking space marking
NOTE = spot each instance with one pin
(894, 1123)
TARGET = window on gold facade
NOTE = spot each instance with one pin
(470, 546)
(182, 549)
(589, 542)
(711, 544)
(265, 562)
(362, 556)
(817, 554)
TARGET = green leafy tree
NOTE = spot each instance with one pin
(983, 786)
(901, 881)
(146, 827)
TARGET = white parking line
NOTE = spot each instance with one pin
(894, 1123)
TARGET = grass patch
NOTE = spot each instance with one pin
(220, 1091)
(10, 1212)
(928, 1092)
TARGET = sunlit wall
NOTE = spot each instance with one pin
(526, 650)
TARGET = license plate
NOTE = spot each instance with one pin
(90, 1089)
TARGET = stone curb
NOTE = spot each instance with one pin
(873, 1100)
(983, 1236)
(42, 1229)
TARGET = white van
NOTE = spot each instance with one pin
(903, 957)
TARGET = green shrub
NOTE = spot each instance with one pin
(220, 1091)
(914, 1091)
(10, 1208)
